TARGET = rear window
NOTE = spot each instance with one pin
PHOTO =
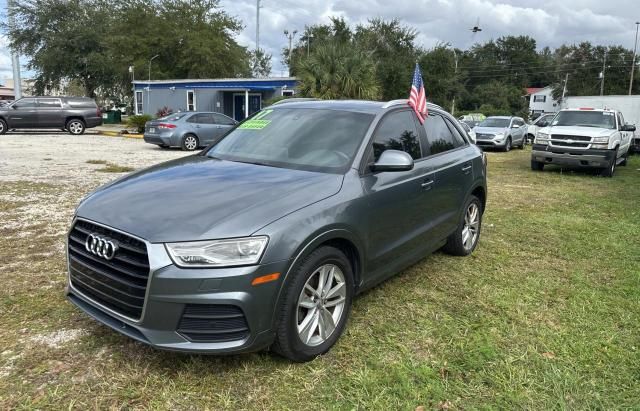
(84, 103)
(172, 117)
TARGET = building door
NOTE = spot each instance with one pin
(255, 103)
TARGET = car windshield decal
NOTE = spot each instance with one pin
(256, 123)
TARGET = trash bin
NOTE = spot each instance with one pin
(112, 117)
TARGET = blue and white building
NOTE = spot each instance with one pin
(235, 97)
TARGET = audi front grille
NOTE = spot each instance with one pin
(109, 267)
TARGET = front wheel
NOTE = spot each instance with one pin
(3, 126)
(611, 168)
(507, 145)
(75, 127)
(465, 239)
(316, 305)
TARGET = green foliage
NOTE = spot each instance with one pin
(164, 111)
(138, 121)
(260, 63)
(336, 71)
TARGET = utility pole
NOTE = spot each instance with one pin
(633, 61)
(564, 89)
(15, 60)
(149, 83)
(258, 25)
(455, 73)
(604, 68)
(290, 36)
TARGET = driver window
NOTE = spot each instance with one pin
(397, 131)
(25, 103)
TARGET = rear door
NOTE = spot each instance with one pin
(202, 125)
(397, 219)
(50, 112)
(23, 114)
(451, 159)
(625, 136)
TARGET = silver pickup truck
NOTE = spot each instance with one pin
(584, 137)
(73, 114)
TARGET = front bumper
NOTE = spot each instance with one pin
(491, 143)
(171, 290)
(571, 157)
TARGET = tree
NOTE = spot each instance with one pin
(337, 71)
(260, 63)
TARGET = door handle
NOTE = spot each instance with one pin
(218, 126)
(427, 185)
(466, 168)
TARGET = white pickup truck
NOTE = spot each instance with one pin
(584, 137)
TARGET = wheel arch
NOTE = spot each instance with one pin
(67, 119)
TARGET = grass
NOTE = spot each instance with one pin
(110, 167)
(544, 315)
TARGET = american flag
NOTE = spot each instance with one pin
(417, 98)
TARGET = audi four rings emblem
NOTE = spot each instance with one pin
(102, 247)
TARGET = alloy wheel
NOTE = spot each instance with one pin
(321, 304)
(190, 143)
(75, 127)
(471, 226)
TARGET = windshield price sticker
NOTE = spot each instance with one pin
(256, 123)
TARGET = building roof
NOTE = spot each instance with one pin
(221, 83)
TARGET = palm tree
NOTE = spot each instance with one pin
(337, 71)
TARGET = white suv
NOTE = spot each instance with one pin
(584, 137)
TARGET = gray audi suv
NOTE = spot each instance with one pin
(264, 238)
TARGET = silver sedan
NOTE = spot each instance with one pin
(187, 130)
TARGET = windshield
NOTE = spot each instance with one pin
(173, 117)
(495, 122)
(304, 139)
(599, 119)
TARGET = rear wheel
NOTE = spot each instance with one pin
(75, 127)
(536, 165)
(465, 239)
(522, 143)
(3, 126)
(316, 305)
(189, 142)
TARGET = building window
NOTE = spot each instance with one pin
(287, 93)
(191, 100)
(139, 107)
(539, 98)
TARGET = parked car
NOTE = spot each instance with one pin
(73, 114)
(584, 137)
(188, 130)
(540, 122)
(501, 132)
(469, 130)
(264, 239)
(472, 119)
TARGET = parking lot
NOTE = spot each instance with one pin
(544, 315)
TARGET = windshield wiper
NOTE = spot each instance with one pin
(587, 125)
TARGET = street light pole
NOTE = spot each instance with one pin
(15, 60)
(290, 36)
(604, 68)
(633, 61)
(149, 83)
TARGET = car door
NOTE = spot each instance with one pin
(50, 112)
(625, 136)
(222, 125)
(23, 114)
(396, 215)
(202, 125)
(451, 160)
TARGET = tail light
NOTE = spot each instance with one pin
(98, 112)
(166, 125)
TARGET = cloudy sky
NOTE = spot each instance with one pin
(551, 22)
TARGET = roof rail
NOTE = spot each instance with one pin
(294, 100)
(404, 101)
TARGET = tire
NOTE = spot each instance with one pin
(3, 126)
(307, 343)
(624, 159)
(524, 141)
(536, 165)
(75, 127)
(507, 145)
(471, 223)
(611, 169)
(189, 142)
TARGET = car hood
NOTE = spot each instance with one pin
(198, 198)
(489, 130)
(578, 131)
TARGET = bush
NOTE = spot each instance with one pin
(138, 121)
(164, 111)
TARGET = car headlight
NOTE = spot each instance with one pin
(218, 253)
(542, 138)
(601, 140)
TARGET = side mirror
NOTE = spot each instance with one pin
(393, 160)
(515, 126)
(629, 127)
